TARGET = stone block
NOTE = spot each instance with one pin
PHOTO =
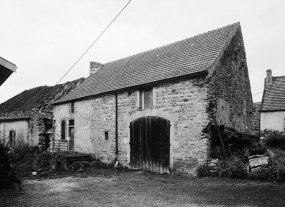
(261, 161)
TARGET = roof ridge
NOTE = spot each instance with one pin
(173, 43)
(283, 76)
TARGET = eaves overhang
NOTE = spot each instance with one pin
(6, 69)
(7, 64)
(273, 110)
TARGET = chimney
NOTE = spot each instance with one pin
(94, 67)
(268, 77)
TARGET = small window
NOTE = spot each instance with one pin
(148, 102)
(71, 122)
(106, 136)
(72, 107)
(145, 99)
(12, 138)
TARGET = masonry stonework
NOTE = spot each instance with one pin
(229, 88)
(94, 117)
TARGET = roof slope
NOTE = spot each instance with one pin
(181, 58)
(25, 104)
(274, 95)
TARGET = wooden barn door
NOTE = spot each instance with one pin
(150, 144)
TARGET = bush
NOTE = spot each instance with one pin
(217, 152)
(274, 139)
(8, 178)
(203, 170)
(264, 174)
(232, 167)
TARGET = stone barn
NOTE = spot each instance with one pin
(28, 117)
(149, 111)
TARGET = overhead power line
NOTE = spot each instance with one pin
(94, 42)
(257, 93)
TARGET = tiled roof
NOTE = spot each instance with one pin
(274, 95)
(25, 104)
(181, 58)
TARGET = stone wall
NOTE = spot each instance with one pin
(96, 117)
(187, 100)
(229, 88)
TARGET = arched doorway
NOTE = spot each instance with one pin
(150, 144)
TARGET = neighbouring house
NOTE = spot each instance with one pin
(6, 69)
(256, 118)
(272, 111)
(150, 110)
(27, 117)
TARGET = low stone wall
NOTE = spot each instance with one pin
(213, 165)
(255, 163)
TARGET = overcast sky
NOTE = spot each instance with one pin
(44, 38)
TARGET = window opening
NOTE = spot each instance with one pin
(148, 99)
(12, 136)
(106, 136)
(71, 122)
(72, 107)
(63, 129)
(48, 124)
(145, 99)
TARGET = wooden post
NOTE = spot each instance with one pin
(219, 135)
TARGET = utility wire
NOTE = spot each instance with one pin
(257, 93)
(94, 42)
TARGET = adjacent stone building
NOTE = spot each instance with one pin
(150, 110)
(272, 111)
(27, 117)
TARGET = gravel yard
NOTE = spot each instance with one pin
(112, 187)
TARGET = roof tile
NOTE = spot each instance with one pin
(274, 95)
(181, 58)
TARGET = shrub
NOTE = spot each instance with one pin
(274, 139)
(278, 162)
(217, 152)
(203, 170)
(232, 167)
(263, 174)
(8, 178)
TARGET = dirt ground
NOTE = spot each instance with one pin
(112, 187)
